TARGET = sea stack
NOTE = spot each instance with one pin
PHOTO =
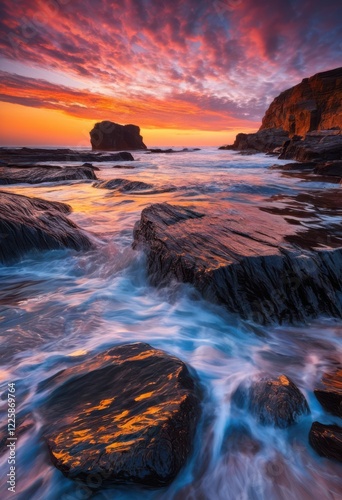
(110, 136)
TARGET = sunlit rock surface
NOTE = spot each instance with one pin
(272, 401)
(330, 394)
(127, 415)
(38, 174)
(258, 263)
(110, 136)
(326, 440)
(35, 224)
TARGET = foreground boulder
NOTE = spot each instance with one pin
(38, 174)
(35, 224)
(272, 401)
(109, 136)
(123, 185)
(330, 394)
(326, 440)
(255, 263)
(127, 415)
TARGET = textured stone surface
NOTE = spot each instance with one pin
(28, 157)
(260, 142)
(313, 104)
(123, 185)
(330, 394)
(272, 401)
(35, 224)
(111, 136)
(127, 415)
(255, 262)
(314, 148)
(326, 440)
(38, 174)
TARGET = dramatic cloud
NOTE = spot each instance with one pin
(180, 64)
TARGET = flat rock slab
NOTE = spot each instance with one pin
(24, 156)
(34, 224)
(38, 174)
(330, 394)
(272, 401)
(326, 440)
(127, 415)
(123, 185)
(253, 262)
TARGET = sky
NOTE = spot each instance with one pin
(188, 72)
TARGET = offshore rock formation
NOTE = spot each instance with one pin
(313, 104)
(127, 415)
(254, 262)
(272, 401)
(109, 136)
(35, 224)
(44, 173)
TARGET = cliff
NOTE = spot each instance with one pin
(109, 136)
(313, 104)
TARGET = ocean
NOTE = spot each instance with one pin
(57, 306)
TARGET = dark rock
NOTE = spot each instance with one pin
(28, 157)
(123, 166)
(310, 166)
(313, 104)
(35, 224)
(260, 142)
(314, 147)
(38, 174)
(127, 415)
(109, 136)
(330, 395)
(123, 185)
(326, 440)
(168, 151)
(330, 168)
(272, 401)
(90, 165)
(255, 263)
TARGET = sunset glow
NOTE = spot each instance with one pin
(186, 72)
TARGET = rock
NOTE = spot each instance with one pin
(252, 261)
(123, 185)
(109, 136)
(330, 168)
(272, 401)
(260, 142)
(38, 174)
(168, 151)
(326, 440)
(28, 157)
(330, 395)
(127, 415)
(35, 224)
(313, 104)
(314, 148)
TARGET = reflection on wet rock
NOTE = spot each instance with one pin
(330, 395)
(326, 440)
(127, 415)
(272, 401)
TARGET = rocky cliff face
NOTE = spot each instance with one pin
(111, 136)
(313, 104)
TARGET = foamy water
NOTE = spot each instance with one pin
(57, 306)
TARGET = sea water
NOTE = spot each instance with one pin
(57, 306)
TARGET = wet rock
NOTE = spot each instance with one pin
(261, 142)
(255, 263)
(272, 401)
(123, 185)
(326, 440)
(127, 415)
(28, 157)
(330, 395)
(110, 136)
(313, 104)
(314, 147)
(36, 175)
(168, 151)
(35, 224)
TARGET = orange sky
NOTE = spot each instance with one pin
(188, 73)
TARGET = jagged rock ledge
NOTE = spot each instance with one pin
(42, 173)
(253, 262)
(28, 157)
(28, 224)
